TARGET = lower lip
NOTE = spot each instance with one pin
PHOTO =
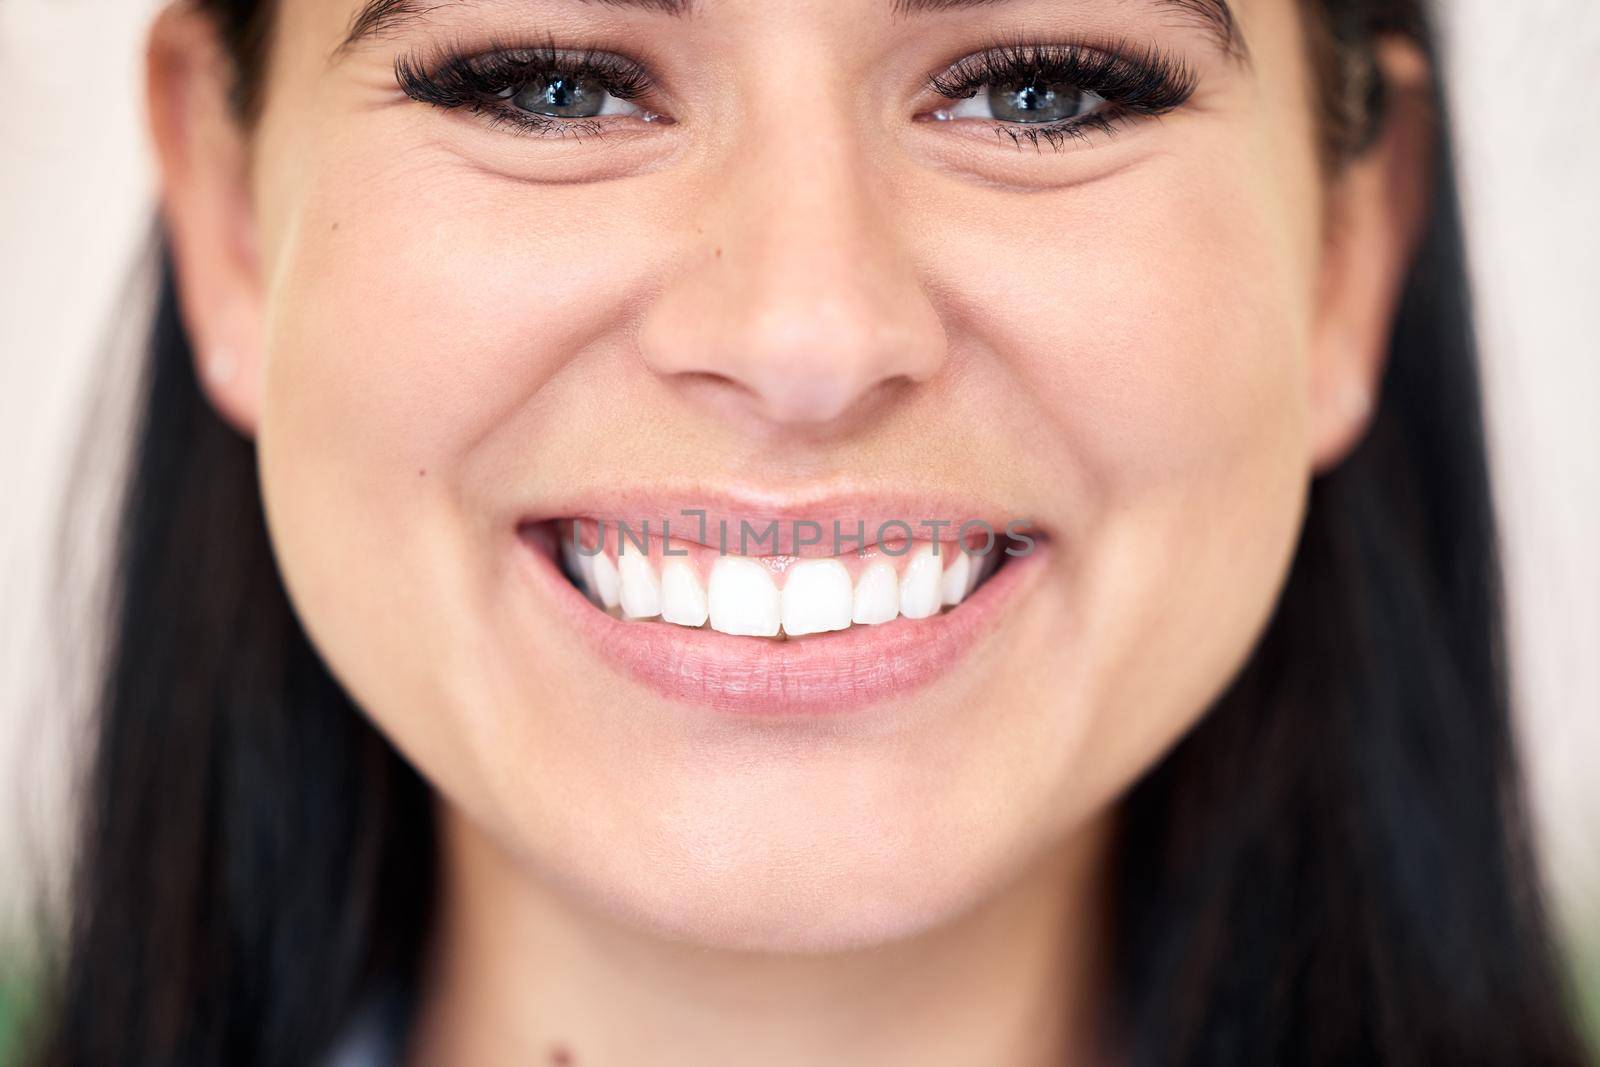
(826, 674)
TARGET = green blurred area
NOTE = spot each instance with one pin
(1586, 981)
(16, 1005)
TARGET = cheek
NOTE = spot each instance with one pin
(1158, 323)
(410, 321)
(414, 320)
(1165, 338)
(414, 316)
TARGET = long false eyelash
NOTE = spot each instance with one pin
(1134, 80)
(480, 82)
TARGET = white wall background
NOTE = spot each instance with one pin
(75, 190)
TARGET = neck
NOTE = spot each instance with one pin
(522, 974)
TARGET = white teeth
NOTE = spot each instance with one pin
(742, 599)
(919, 586)
(683, 601)
(604, 580)
(953, 587)
(641, 593)
(816, 598)
(877, 596)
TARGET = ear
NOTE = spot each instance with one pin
(203, 163)
(1378, 205)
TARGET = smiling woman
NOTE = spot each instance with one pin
(936, 533)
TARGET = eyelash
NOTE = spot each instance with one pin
(1133, 81)
(479, 83)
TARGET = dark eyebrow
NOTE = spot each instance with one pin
(1213, 16)
(377, 16)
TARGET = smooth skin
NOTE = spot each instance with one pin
(1149, 343)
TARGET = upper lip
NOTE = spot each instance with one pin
(872, 509)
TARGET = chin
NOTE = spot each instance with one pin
(772, 900)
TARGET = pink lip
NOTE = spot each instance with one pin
(687, 509)
(823, 675)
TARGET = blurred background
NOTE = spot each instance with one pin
(75, 220)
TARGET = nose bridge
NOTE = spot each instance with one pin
(798, 295)
(807, 246)
(806, 193)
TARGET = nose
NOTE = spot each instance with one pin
(797, 305)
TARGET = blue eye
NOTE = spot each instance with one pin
(545, 90)
(1031, 102)
(565, 96)
(1049, 92)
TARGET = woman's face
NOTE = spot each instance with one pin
(768, 272)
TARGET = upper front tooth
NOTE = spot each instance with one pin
(607, 583)
(683, 601)
(919, 586)
(641, 593)
(743, 599)
(877, 595)
(816, 598)
(953, 588)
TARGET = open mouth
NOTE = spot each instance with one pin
(634, 575)
(799, 631)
